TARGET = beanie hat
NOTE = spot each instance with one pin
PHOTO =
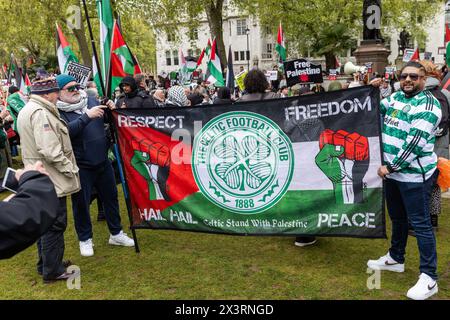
(334, 86)
(13, 89)
(63, 80)
(44, 86)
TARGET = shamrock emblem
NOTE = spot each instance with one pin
(244, 164)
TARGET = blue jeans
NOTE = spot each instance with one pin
(409, 202)
(103, 180)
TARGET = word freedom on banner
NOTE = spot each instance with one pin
(287, 166)
(302, 71)
(79, 72)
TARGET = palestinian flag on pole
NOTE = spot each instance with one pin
(63, 51)
(188, 66)
(12, 69)
(214, 68)
(14, 73)
(96, 77)
(416, 55)
(105, 15)
(281, 47)
(122, 61)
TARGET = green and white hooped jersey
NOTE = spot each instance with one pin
(409, 127)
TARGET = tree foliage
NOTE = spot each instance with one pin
(28, 30)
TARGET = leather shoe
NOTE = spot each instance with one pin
(62, 277)
(66, 264)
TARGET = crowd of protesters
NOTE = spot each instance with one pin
(62, 125)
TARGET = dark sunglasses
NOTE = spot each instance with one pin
(73, 88)
(412, 76)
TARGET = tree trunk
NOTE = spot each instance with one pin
(330, 60)
(80, 35)
(214, 14)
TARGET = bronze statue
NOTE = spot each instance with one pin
(372, 20)
(404, 40)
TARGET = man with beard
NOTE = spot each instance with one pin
(411, 118)
(85, 120)
(133, 98)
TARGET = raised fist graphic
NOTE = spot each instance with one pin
(152, 161)
(344, 159)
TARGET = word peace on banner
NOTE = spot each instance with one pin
(79, 72)
(302, 71)
(296, 166)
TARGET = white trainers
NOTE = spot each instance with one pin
(86, 248)
(121, 239)
(424, 288)
(386, 263)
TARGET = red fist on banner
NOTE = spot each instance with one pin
(159, 153)
(356, 146)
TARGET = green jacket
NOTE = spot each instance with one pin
(15, 103)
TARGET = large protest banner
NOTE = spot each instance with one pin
(296, 166)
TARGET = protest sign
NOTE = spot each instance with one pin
(79, 72)
(289, 166)
(408, 55)
(240, 79)
(302, 71)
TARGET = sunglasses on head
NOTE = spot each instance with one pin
(412, 76)
(73, 88)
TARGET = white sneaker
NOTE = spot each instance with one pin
(86, 248)
(121, 239)
(424, 288)
(386, 263)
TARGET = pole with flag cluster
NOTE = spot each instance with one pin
(122, 62)
(214, 67)
(63, 50)
(281, 47)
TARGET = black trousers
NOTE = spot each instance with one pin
(51, 245)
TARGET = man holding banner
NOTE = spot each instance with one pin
(411, 118)
(85, 122)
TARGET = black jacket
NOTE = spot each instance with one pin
(88, 137)
(27, 216)
(135, 100)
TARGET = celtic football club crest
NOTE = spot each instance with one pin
(242, 162)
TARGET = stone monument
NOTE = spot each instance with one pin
(372, 47)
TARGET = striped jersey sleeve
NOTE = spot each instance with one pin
(424, 122)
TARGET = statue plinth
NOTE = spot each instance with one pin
(373, 51)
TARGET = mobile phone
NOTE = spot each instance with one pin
(10, 182)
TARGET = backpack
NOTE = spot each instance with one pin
(445, 109)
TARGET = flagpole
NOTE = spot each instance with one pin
(99, 70)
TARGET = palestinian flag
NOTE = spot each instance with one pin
(122, 61)
(96, 77)
(105, 15)
(249, 171)
(214, 68)
(447, 44)
(15, 74)
(63, 50)
(416, 55)
(200, 59)
(281, 47)
(188, 66)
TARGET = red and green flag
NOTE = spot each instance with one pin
(105, 15)
(281, 47)
(122, 61)
(63, 51)
(215, 68)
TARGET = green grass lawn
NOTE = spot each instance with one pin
(185, 265)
